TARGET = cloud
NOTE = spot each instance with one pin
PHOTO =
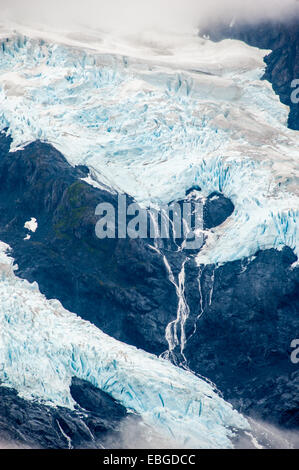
(269, 436)
(138, 15)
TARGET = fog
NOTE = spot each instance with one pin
(139, 15)
(134, 434)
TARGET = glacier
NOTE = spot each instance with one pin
(42, 346)
(151, 116)
(155, 115)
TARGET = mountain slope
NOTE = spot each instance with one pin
(158, 118)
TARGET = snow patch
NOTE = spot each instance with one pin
(31, 225)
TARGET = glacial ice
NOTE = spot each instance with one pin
(156, 116)
(42, 346)
(151, 117)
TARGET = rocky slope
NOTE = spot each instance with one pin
(34, 425)
(243, 315)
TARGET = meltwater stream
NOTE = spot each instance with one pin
(175, 330)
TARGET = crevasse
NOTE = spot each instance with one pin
(42, 346)
(153, 123)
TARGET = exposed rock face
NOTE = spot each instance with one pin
(282, 63)
(216, 210)
(118, 284)
(32, 424)
(248, 318)
(243, 315)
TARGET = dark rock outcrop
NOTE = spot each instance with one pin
(31, 424)
(216, 210)
(248, 317)
(92, 399)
